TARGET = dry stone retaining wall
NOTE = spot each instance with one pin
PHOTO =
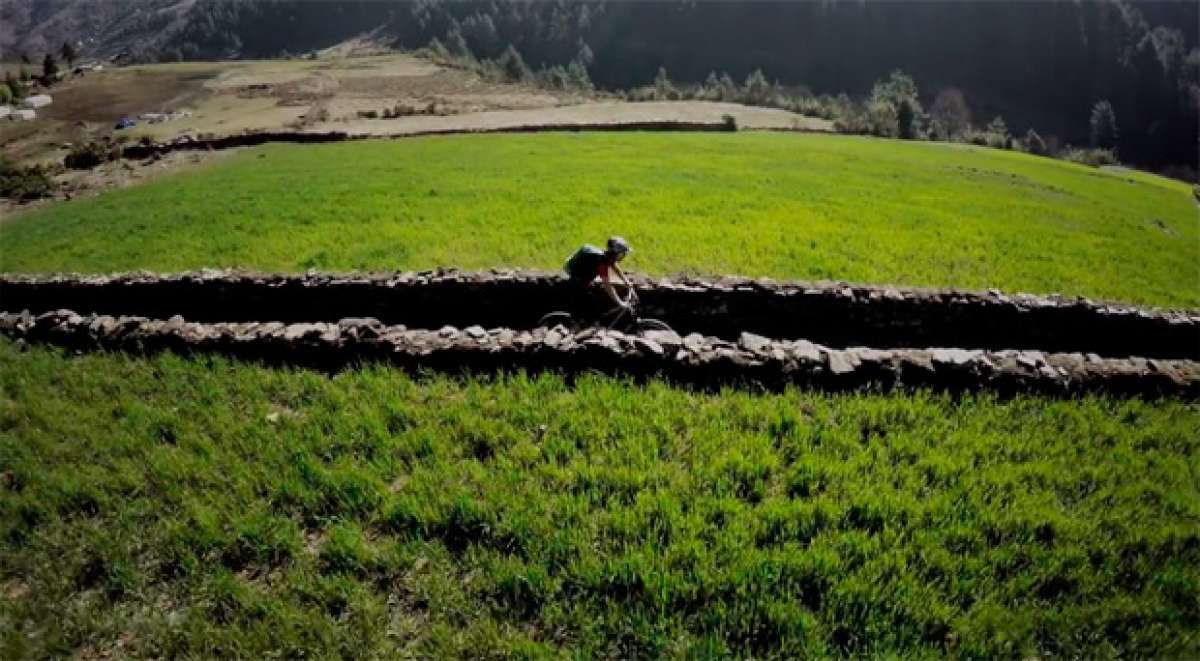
(308, 137)
(692, 359)
(834, 314)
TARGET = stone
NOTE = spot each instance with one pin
(668, 340)
(806, 351)
(753, 342)
(476, 332)
(956, 357)
(648, 346)
(839, 363)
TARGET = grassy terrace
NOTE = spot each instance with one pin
(215, 509)
(207, 508)
(780, 205)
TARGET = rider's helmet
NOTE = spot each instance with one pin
(618, 246)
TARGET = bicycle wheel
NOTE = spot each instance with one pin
(653, 325)
(556, 319)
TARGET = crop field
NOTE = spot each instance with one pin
(780, 205)
(202, 507)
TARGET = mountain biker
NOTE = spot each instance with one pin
(589, 264)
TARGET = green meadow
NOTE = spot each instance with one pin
(200, 507)
(756, 204)
(205, 508)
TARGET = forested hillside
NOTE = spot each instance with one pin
(1040, 65)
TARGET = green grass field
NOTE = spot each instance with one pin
(207, 508)
(780, 205)
(210, 509)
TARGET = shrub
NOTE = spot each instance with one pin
(1103, 124)
(1092, 157)
(951, 113)
(87, 156)
(1034, 144)
(368, 114)
(729, 122)
(883, 120)
(25, 183)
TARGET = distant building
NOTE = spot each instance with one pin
(24, 115)
(36, 101)
(5, 111)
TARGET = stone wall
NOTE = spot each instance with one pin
(691, 359)
(834, 314)
(307, 137)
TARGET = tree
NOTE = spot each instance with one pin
(25, 75)
(951, 114)
(900, 92)
(906, 120)
(513, 65)
(49, 68)
(663, 88)
(997, 134)
(15, 88)
(457, 45)
(729, 89)
(69, 53)
(1104, 126)
(883, 120)
(6, 94)
(25, 59)
(757, 90)
(577, 74)
(1034, 144)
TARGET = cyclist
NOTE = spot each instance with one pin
(588, 265)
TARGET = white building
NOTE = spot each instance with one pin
(24, 114)
(36, 101)
(5, 111)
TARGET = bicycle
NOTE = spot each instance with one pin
(624, 318)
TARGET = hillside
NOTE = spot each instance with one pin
(756, 204)
(1141, 56)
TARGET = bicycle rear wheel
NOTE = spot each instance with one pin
(557, 319)
(653, 325)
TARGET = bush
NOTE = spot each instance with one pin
(883, 120)
(730, 122)
(1034, 144)
(87, 156)
(368, 114)
(25, 183)
(1103, 124)
(1092, 157)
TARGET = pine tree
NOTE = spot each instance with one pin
(68, 53)
(1104, 126)
(49, 68)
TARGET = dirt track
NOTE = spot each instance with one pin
(600, 112)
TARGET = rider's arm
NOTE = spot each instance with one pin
(630, 293)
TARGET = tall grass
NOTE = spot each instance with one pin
(207, 508)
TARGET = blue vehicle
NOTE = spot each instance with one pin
(126, 123)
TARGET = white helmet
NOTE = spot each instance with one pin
(619, 246)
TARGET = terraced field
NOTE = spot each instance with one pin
(168, 505)
(779, 205)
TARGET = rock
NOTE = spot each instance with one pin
(648, 346)
(956, 357)
(839, 363)
(476, 332)
(694, 341)
(753, 342)
(668, 340)
(805, 351)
